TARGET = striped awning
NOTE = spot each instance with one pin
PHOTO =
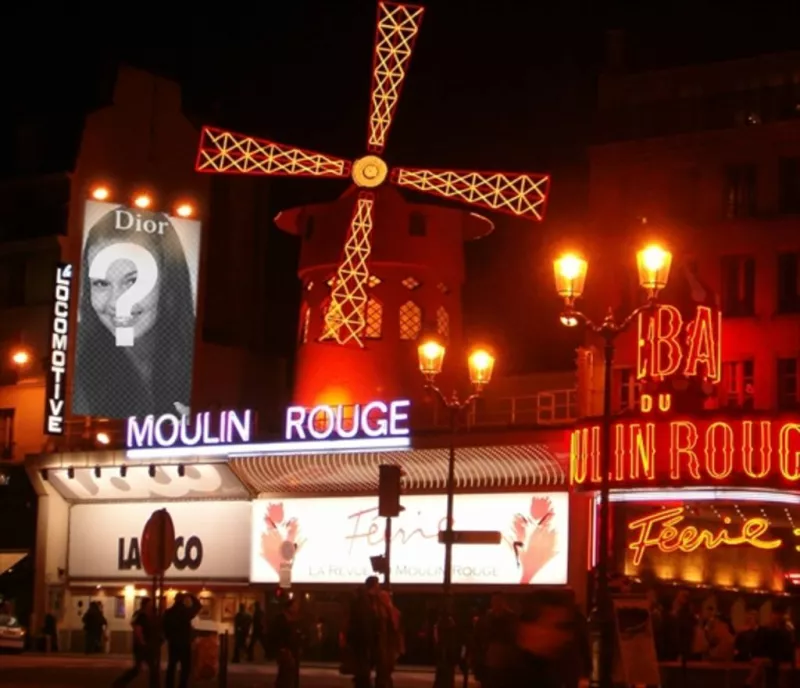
(489, 467)
(9, 560)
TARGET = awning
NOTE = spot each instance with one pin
(10, 559)
(500, 467)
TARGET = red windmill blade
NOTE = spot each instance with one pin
(223, 151)
(521, 194)
(398, 24)
(396, 31)
(346, 314)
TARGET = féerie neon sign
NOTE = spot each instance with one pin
(663, 530)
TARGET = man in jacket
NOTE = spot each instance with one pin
(178, 632)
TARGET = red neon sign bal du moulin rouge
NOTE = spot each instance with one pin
(668, 345)
(690, 451)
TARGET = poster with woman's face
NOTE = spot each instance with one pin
(137, 309)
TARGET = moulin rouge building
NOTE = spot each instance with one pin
(700, 495)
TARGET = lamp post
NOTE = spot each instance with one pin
(653, 265)
(481, 364)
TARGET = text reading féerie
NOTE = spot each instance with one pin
(125, 220)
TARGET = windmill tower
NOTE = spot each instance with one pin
(401, 267)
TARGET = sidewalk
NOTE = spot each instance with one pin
(77, 657)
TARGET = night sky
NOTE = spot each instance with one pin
(494, 84)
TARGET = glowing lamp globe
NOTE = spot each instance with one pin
(431, 357)
(654, 264)
(142, 201)
(570, 275)
(100, 193)
(481, 365)
(184, 210)
(20, 357)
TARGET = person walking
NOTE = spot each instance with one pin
(361, 634)
(259, 633)
(242, 623)
(178, 633)
(287, 644)
(146, 643)
(94, 623)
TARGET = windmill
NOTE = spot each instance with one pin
(519, 194)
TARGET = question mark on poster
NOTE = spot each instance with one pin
(146, 278)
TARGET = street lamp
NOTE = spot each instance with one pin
(653, 265)
(20, 357)
(481, 364)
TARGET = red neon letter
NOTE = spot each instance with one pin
(683, 440)
(578, 456)
(788, 452)
(725, 433)
(705, 344)
(659, 348)
(643, 451)
(747, 449)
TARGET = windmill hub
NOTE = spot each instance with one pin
(369, 172)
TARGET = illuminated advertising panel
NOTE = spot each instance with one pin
(332, 540)
(136, 312)
(55, 398)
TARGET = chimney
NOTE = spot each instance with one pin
(615, 50)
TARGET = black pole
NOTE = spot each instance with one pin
(451, 486)
(387, 554)
(604, 606)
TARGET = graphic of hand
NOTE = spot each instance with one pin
(537, 538)
(277, 535)
(271, 541)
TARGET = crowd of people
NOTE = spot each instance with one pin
(543, 642)
(685, 630)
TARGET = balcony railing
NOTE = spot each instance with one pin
(554, 407)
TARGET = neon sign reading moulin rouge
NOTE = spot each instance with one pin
(685, 451)
(206, 429)
(372, 426)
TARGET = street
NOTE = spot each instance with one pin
(78, 670)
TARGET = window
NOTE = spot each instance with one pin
(788, 396)
(788, 283)
(374, 324)
(629, 389)
(308, 228)
(323, 311)
(410, 283)
(739, 188)
(789, 183)
(410, 320)
(738, 383)
(738, 285)
(7, 433)
(416, 225)
(443, 322)
(12, 281)
(305, 322)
